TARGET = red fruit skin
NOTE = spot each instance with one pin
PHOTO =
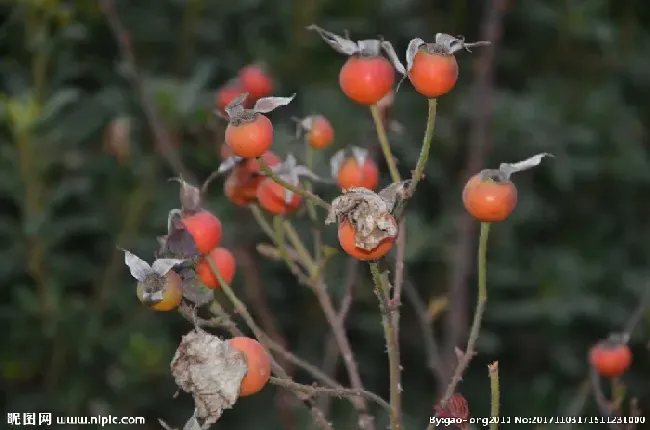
(256, 82)
(350, 175)
(271, 195)
(258, 361)
(253, 166)
(250, 139)
(433, 75)
(236, 187)
(489, 201)
(346, 239)
(366, 80)
(225, 263)
(205, 228)
(321, 133)
(610, 361)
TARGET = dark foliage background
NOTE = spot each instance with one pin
(569, 77)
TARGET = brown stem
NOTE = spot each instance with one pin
(460, 257)
(331, 350)
(338, 330)
(162, 136)
(313, 391)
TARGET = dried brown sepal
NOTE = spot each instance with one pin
(291, 172)
(151, 279)
(359, 154)
(507, 169)
(238, 114)
(206, 367)
(395, 193)
(444, 44)
(366, 47)
(493, 367)
(369, 214)
(178, 243)
(190, 196)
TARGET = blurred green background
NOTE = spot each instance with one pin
(568, 77)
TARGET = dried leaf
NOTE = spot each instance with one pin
(411, 51)
(267, 104)
(193, 288)
(509, 168)
(139, 268)
(190, 196)
(211, 371)
(368, 213)
(336, 162)
(392, 56)
(338, 43)
(178, 244)
(164, 265)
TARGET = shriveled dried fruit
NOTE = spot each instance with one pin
(210, 370)
(366, 214)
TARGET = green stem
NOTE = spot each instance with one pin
(464, 361)
(385, 145)
(426, 145)
(383, 294)
(294, 189)
(495, 398)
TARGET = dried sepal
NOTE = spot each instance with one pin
(291, 172)
(411, 51)
(178, 243)
(369, 214)
(139, 268)
(163, 265)
(193, 288)
(236, 107)
(190, 196)
(453, 44)
(339, 44)
(507, 169)
(360, 155)
(336, 162)
(395, 193)
(229, 163)
(210, 370)
(268, 104)
(392, 56)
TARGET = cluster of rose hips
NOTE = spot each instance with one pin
(184, 271)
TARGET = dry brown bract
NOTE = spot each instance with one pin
(211, 371)
(369, 214)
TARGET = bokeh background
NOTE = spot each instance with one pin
(568, 77)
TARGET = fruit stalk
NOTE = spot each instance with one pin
(294, 189)
(463, 362)
(382, 290)
(495, 398)
(426, 145)
(384, 144)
